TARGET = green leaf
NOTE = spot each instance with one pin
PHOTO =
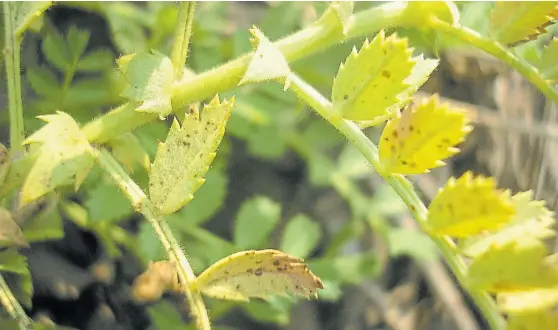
(149, 247)
(413, 243)
(165, 316)
(351, 269)
(368, 84)
(417, 12)
(129, 151)
(77, 42)
(511, 22)
(56, 52)
(265, 312)
(63, 156)
(128, 36)
(267, 63)
(13, 263)
(255, 220)
(548, 66)
(209, 199)
(43, 81)
(10, 232)
(300, 236)
(343, 11)
(267, 142)
(106, 203)
(96, 60)
(184, 158)
(150, 78)
(47, 224)
(352, 164)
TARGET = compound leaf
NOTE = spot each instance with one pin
(511, 22)
(370, 81)
(419, 139)
(56, 52)
(96, 60)
(514, 266)
(468, 206)
(548, 65)
(343, 11)
(258, 274)
(150, 78)
(267, 63)
(184, 158)
(43, 81)
(76, 40)
(255, 220)
(64, 155)
(300, 236)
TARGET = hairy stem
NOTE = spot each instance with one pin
(182, 35)
(12, 306)
(13, 76)
(497, 50)
(402, 187)
(143, 205)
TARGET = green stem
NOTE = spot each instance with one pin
(497, 50)
(143, 205)
(182, 36)
(13, 76)
(403, 188)
(12, 306)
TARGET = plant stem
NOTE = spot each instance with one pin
(182, 35)
(403, 188)
(142, 204)
(497, 50)
(12, 306)
(13, 76)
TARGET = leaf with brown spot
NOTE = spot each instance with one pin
(258, 274)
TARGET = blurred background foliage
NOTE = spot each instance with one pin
(283, 178)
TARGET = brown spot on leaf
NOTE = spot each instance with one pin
(259, 272)
(386, 74)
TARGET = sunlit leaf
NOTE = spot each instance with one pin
(64, 156)
(420, 138)
(184, 158)
(343, 11)
(255, 220)
(300, 236)
(267, 63)
(258, 274)
(511, 22)
(468, 206)
(370, 81)
(540, 320)
(528, 301)
(150, 77)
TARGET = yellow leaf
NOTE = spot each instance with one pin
(468, 206)
(258, 274)
(532, 220)
(543, 320)
(515, 266)
(368, 84)
(343, 11)
(64, 155)
(511, 22)
(184, 158)
(528, 301)
(420, 138)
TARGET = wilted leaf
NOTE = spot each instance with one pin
(150, 78)
(300, 236)
(165, 316)
(254, 222)
(514, 266)
(343, 11)
(267, 63)
(421, 138)
(370, 81)
(150, 285)
(468, 206)
(258, 274)
(64, 156)
(511, 22)
(13, 263)
(9, 230)
(184, 158)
